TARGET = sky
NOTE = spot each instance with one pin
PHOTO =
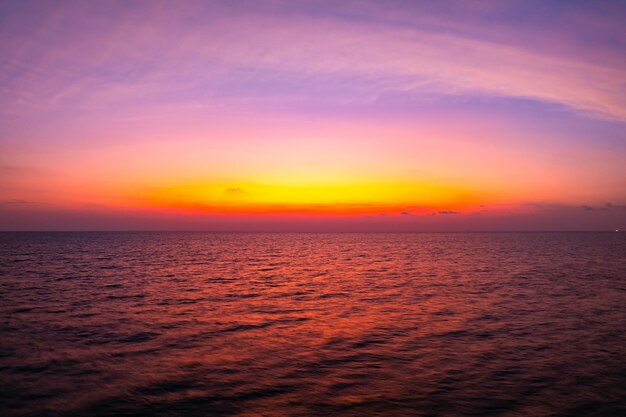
(313, 115)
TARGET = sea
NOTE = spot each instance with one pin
(306, 324)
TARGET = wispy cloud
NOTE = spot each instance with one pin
(202, 53)
(17, 201)
(236, 192)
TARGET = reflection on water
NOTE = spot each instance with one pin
(313, 324)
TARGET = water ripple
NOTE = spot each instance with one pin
(168, 324)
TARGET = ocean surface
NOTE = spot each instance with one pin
(203, 324)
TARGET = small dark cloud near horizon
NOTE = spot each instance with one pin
(406, 213)
(6, 169)
(611, 206)
(447, 212)
(587, 207)
(17, 201)
(235, 191)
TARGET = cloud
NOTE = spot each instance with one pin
(236, 192)
(17, 201)
(80, 56)
(447, 212)
(611, 206)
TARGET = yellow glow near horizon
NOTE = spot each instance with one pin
(363, 198)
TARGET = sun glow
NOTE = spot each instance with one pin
(285, 116)
(361, 198)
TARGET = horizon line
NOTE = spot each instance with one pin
(312, 231)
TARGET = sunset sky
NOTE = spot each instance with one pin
(313, 115)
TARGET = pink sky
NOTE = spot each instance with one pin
(276, 115)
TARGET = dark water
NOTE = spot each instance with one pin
(171, 324)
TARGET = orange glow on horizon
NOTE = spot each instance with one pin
(217, 116)
(322, 199)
